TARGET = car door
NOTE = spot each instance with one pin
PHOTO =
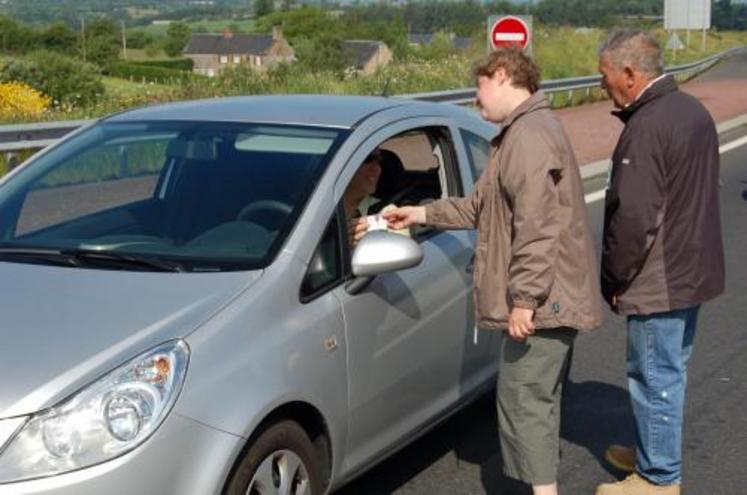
(411, 347)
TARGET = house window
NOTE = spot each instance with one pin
(224, 59)
(236, 59)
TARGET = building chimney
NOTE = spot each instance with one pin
(277, 33)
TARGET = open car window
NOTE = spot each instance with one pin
(417, 167)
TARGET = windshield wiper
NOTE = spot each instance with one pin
(42, 255)
(123, 260)
(81, 257)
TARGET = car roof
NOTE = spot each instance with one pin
(315, 110)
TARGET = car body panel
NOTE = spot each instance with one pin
(183, 457)
(64, 327)
(379, 367)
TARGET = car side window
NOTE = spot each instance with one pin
(478, 152)
(414, 168)
(325, 268)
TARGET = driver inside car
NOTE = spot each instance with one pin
(363, 209)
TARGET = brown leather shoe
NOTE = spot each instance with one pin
(636, 485)
(621, 457)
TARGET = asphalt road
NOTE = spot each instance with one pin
(462, 455)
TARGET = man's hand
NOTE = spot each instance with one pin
(357, 228)
(520, 324)
(405, 216)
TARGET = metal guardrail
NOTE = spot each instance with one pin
(20, 137)
(466, 96)
(15, 138)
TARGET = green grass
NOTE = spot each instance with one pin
(122, 88)
(568, 52)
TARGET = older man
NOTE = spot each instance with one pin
(662, 249)
(535, 274)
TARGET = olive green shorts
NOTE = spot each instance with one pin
(530, 384)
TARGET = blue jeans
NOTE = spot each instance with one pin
(659, 348)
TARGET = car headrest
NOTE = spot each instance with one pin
(194, 148)
(392, 175)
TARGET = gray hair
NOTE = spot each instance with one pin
(636, 49)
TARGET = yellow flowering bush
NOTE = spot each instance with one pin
(20, 101)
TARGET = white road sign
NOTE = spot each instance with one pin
(687, 14)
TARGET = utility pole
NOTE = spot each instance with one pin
(83, 36)
(124, 41)
(706, 6)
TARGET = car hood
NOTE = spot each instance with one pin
(61, 328)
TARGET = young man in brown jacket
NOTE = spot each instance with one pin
(662, 252)
(535, 266)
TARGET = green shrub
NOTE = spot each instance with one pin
(68, 81)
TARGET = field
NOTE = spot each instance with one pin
(205, 26)
(568, 52)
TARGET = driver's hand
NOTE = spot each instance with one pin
(357, 228)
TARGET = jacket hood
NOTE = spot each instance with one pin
(62, 328)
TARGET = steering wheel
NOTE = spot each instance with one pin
(264, 208)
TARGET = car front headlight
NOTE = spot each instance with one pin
(104, 420)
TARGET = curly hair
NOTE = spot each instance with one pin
(520, 68)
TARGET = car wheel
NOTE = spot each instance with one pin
(281, 461)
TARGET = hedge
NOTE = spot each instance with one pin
(147, 73)
(184, 64)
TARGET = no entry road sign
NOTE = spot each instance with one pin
(509, 31)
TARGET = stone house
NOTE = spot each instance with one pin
(213, 53)
(366, 56)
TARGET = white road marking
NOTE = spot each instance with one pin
(734, 144)
(597, 195)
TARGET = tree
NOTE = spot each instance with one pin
(323, 52)
(139, 39)
(15, 36)
(301, 24)
(177, 37)
(59, 37)
(103, 42)
(263, 7)
(729, 15)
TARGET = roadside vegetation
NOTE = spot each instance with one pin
(86, 77)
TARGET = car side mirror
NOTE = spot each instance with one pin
(380, 252)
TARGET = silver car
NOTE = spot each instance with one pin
(183, 311)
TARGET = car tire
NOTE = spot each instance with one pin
(281, 460)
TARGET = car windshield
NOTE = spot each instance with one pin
(196, 195)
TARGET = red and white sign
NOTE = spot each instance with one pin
(509, 31)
